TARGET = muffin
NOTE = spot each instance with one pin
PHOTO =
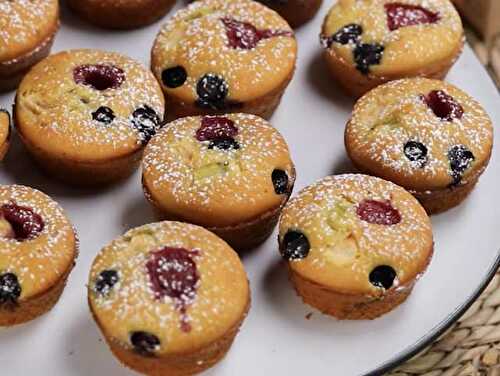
(38, 248)
(85, 115)
(231, 174)
(426, 135)
(355, 245)
(296, 12)
(371, 42)
(27, 31)
(121, 14)
(4, 132)
(220, 56)
(169, 298)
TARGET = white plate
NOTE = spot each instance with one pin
(276, 338)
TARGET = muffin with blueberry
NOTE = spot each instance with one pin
(296, 12)
(371, 42)
(85, 115)
(220, 56)
(121, 14)
(169, 298)
(355, 245)
(28, 28)
(4, 132)
(425, 135)
(231, 174)
(38, 248)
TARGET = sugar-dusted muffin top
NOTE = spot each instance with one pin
(4, 127)
(89, 105)
(393, 37)
(422, 134)
(356, 234)
(37, 243)
(24, 24)
(218, 170)
(168, 288)
(219, 53)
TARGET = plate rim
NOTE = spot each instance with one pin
(439, 329)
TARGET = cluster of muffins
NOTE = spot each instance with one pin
(170, 297)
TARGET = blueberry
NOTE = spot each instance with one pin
(174, 77)
(350, 33)
(212, 91)
(416, 152)
(103, 115)
(460, 158)
(146, 121)
(224, 144)
(144, 343)
(10, 289)
(383, 276)
(280, 181)
(295, 246)
(367, 54)
(105, 281)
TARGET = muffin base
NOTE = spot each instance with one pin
(12, 71)
(182, 364)
(263, 106)
(34, 307)
(128, 15)
(356, 84)
(296, 12)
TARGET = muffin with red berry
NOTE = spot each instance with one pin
(169, 298)
(121, 14)
(371, 42)
(38, 248)
(355, 245)
(4, 132)
(28, 28)
(86, 115)
(231, 174)
(296, 12)
(220, 56)
(425, 135)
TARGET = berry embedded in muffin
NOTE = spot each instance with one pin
(425, 135)
(160, 295)
(371, 42)
(214, 57)
(355, 245)
(86, 115)
(231, 174)
(39, 248)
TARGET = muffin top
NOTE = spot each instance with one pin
(393, 38)
(218, 170)
(37, 243)
(356, 234)
(419, 133)
(89, 105)
(24, 24)
(168, 288)
(219, 53)
(4, 126)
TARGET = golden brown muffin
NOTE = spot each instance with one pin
(426, 135)
(169, 298)
(220, 56)
(38, 248)
(85, 115)
(231, 174)
(27, 30)
(121, 14)
(295, 12)
(355, 245)
(4, 132)
(370, 42)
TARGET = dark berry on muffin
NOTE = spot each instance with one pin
(212, 91)
(10, 289)
(103, 115)
(383, 276)
(146, 121)
(174, 77)
(144, 343)
(367, 54)
(280, 181)
(294, 246)
(416, 152)
(460, 158)
(350, 33)
(105, 281)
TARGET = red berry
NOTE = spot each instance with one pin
(378, 212)
(402, 15)
(443, 105)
